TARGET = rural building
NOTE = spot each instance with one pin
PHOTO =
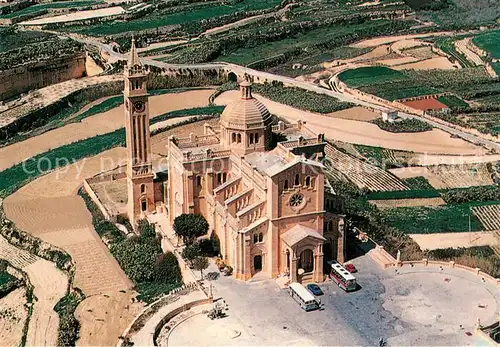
(389, 115)
(265, 200)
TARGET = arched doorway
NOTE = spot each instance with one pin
(257, 263)
(231, 77)
(306, 260)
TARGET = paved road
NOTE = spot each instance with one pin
(291, 81)
(413, 307)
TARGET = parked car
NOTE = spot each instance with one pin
(351, 268)
(314, 289)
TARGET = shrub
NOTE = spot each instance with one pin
(482, 257)
(137, 257)
(167, 269)
(408, 125)
(69, 327)
(479, 193)
(191, 252)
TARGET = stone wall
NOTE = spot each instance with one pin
(38, 75)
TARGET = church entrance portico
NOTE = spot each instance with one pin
(305, 247)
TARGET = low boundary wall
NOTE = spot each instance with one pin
(379, 253)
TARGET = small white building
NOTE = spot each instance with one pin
(389, 115)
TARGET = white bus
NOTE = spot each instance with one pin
(305, 299)
(342, 277)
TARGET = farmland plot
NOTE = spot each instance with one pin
(362, 174)
(488, 215)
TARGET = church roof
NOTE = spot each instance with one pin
(299, 233)
(247, 111)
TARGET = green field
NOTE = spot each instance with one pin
(435, 219)
(385, 83)
(453, 102)
(368, 76)
(490, 42)
(153, 21)
(50, 5)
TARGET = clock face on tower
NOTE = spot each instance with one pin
(139, 106)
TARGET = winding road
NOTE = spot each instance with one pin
(342, 96)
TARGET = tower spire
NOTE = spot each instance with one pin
(133, 58)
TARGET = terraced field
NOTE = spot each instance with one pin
(361, 173)
(488, 215)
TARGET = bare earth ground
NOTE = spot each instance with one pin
(14, 317)
(356, 113)
(457, 176)
(397, 61)
(392, 203)
(432, 159)
(435, 63)
(390, 39)
(50, 285)
(113, 195)
(96, 125)
(445, 240)
(435, 141)
(79, 15)
(50, 209)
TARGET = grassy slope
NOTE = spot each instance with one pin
(489, 41)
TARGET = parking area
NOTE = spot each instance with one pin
(409, 307)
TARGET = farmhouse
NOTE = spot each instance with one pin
(264, 199)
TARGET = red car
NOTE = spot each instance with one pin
(351, 268)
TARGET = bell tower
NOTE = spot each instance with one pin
(139, 166)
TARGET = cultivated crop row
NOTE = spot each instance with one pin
(488, 215)
(364, 175)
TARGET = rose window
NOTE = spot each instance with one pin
(296, 200)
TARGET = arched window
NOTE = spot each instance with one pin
(143, 188)
(312, 183)
(251, 139)
(255, 238)
(261, 237)
(330, 226)
(144, 205)
(308, 181)
(233, 137)
(238, 136)
(256, 138)
(224, 177)
(198, 181)
(219, 178)
(297, 180)
(285, 185)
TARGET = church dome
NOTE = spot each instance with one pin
(247, 112)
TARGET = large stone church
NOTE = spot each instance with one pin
(259, 183)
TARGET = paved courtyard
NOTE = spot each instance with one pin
(416, 306)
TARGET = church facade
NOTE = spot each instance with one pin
(260, 185)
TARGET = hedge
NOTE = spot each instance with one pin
(404, 194)
(479, 193)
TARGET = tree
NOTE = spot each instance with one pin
(190, 226)
(191, 252)
(200, 263)
(167, 269)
